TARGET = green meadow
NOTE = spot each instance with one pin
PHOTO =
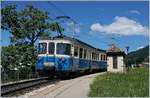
(133, 83)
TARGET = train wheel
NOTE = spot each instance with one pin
(63, 75)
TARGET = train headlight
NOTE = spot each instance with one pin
(49, 64)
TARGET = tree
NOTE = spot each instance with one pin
(137, 56)
(17, 56)
(27, 25)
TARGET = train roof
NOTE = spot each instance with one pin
(71, 39)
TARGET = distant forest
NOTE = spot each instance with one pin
(137, 57)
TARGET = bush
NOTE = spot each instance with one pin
(19, 58)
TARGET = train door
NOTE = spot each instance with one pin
(75, 58)
(50, 57)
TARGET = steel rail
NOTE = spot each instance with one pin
(12, 87)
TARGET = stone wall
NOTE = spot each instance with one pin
(120, 64)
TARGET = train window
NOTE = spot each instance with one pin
(88, 54)
(85, 53)
(93, 56)
(42, 48)
(63, 48)
(76, 51)
(101, 57)
(105, 57)
(97, 56)
(51, 48)
(80, 53)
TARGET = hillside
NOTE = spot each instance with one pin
(138, 56)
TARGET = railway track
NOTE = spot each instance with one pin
(12, 89)
(26, 86)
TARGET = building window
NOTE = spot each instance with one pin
(115, 62)
(76, 51)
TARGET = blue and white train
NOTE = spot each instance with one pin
(66, 55)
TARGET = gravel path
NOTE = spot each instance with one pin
(77, 87)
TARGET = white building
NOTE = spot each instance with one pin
(115, 59)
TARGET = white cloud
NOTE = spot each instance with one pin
(73, 27)
(135, 12)
(77, 30)
(121, 26)
(69, 23)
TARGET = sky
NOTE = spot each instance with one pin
(98, 23)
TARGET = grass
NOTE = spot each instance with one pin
(134, 83)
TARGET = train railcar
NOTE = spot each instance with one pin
(65, 55)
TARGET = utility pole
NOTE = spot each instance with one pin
(127, 48)
(65, 18)
(59, 29)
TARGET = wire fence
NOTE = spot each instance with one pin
(16, 75)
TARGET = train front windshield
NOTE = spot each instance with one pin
(42, 48)
(63, 49)
(51, 48)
